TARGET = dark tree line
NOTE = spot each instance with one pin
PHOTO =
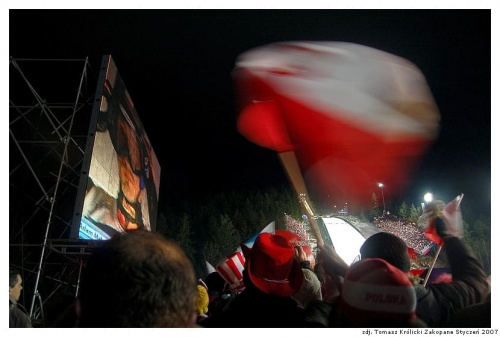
(214, 228)
(211, 229)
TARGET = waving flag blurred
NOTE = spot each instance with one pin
(353, 115)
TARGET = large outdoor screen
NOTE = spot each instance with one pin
(119, 185)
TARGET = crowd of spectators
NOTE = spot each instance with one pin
(141, 279)
(406, 230)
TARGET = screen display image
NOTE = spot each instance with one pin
(122, 185)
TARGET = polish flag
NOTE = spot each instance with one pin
(353, 115)
(452, 216)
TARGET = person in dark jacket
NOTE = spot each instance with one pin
(436, 303)
(219, 294)
(474, 316)
(18, 316)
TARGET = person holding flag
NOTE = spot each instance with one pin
(436, 303)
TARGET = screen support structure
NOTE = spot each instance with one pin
(50, 105)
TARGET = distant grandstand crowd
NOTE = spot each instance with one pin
(406, 230)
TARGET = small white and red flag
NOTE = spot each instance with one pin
(452, 217)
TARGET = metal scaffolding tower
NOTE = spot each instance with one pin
(50, 105)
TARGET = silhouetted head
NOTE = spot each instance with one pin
(389, 247)
(138, 279)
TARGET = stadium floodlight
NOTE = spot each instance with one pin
(383, 199)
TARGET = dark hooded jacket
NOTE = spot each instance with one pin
(436, 303)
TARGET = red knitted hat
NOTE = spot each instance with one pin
(377, 293)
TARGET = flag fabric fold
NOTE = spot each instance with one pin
(262, 123)
(270, 228)
(210, 268)
(412, 253)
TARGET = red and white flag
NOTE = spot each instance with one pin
(452, 217)
(231, 270)
(412, 253)
(353, 115)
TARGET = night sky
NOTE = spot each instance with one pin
(177, 66)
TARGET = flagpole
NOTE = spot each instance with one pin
(432, 266)
(453, 210)
(289, 162)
